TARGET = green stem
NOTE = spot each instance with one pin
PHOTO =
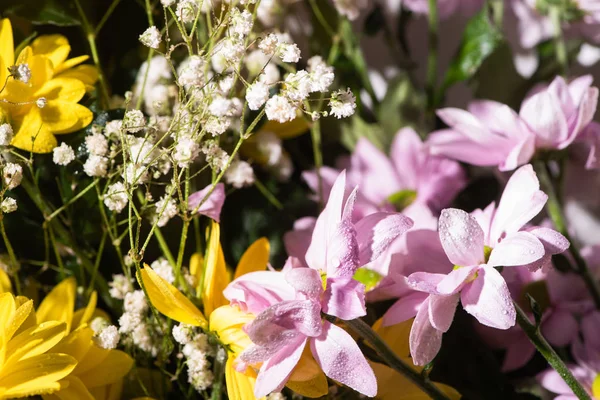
(164, 246)
(315, 134)
(554, 209)
(392, 360)
(432, 57)
(268, 195)
(72, 200)
(183, 240)
(560, 48)
(107, 15)
(11, 255)
(544, 348)
(497, 7)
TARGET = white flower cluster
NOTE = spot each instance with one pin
(133, 323)
(151, 37)
(6, 134)
(120, 286)
(196, 350)
(163, 269)
(12, 175)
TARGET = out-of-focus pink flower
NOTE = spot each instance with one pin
(288, 304)
(446, 8)
(384, 180)
(475, 245)
(211, 207)
(491, 134)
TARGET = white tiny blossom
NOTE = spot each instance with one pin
(217, 126)
(113, 128)
(241, 22)
(187, 10)
(108, 338)
(128, 321)
(215, 156)
(12, 174)
(166, 208)
(191, 71)
(279, 109)
(96, 166)
(258, 62)
(135, 174)
(163, 269)
(182, 333)
(21, 72)
(98, 324)
(120, 286)
(96, 144)
(268, 12)
(239, 174)
(227, 52)
(220, 106)
(257, 94)
(269, 146)
(135, 302)
(151, 37)
(284, 168)
(63, 154)
(115, 198)
(321, 74)
(290, 53)
(41, 102)
(269, 44)
(133, 121)
(186, 151)
(141, 338)
(342, 103)
(297, 85)
(201, 380)
(141, 150)
(8, 205)
(350, 8)
(6, 134)
(167, 3)
(226, 84)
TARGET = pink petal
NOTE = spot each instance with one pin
(499, 118)
(465, 123)
(425, 281)
(377, 231)
(585, 114)
(212, 204)
(255, 291)
(545, 116)
(457, 146)
(521, 201)
(553, 242)
(344, 298)
(456, 280)
(518, 353)
(560, 328)
(519, 248)
(552, 381)
(461, 236)
(406, 152)
(488, 299)
(441, 311)
(520, 154)
(377, 171)
(306, 281)
(342, 251)
(275, 372)
(579, 86)
(404, 309)
(297, 241)
(328, 177)
(589, 329)
(341, 360)
(425, 341)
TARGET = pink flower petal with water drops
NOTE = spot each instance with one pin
(274, 372)
(519, 248)
(441, 311)
(461, 236)
(425, 341)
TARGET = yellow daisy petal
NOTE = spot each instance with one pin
(169, 301)
(7, 312)
(77, 344)
(83, 316)
(34, 341)
(88, 74)
(84, 118)
(396, 336)
(21, 314)
(240, 386)
(71, 389)
(307, 378)
(5, 285)
(70, 63)
(94, 357)
(6, 47)
(63, 89)
(31, 318)
(55, 47)
(37, 375)
(255, 258)
(216, 277)
(59, 116)
(59, 303)
(227, 321)
(33, 135)
(110, 370)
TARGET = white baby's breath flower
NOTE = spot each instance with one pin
(8, 205)
(167, 3)
(20, 72)
(279, 109)
(239, 174)
(182, 333)
(191, 71)
(151, 37)
(96, 144)
(133, 121)
(108, 338)
(63, 154)
(116, 198)
(96, 166)
(220, 106)
(186, 151)
(257, 94)
(135, 302)
(269, 146)
(269, 44)
(128, 321)
(120, 286)
(12, 174)
(216, 157)
(241, 22)
(217, 126)
(135, 174)
(321, 74)
(342, 103)
(6, 134)
(350, 8)
(297, 85)
(163, 269)
(187, 10)
(113, 128)
(166, 208)
(289, 53)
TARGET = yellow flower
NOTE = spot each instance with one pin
(226, 321)
(53, 79)
(27, 366)
(393, 385)
(99, 372)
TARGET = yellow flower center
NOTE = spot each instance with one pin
(596, 387)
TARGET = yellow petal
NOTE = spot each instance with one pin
(94, 357)
(34, 341)
(5, 285)
(59, 303)
(307, 378)
(196, 266)
(70, 63)
(449, 391)
(7, 312)
(7, 50)
(55, 47)
(40, 67)
(21, 314)
(255, 258)
(88, 74)
(71, 389)
(170, 301)
(84, 118)
(110, 370)
(77, 344)
(396, 336)
(59, 116)
(37, 375)
(63, 89)
(84, 315)
(287, 130)
(30, 317)
(108, 392)
(33, 135)
(227, 321)
(240, 386)
(216, 277)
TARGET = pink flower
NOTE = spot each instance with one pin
(446, 8)
(289, 304)
(475, 245)
(435, 180)
(211, 207)
(491, 134)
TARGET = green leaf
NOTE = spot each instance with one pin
(41, 12)
(402, 199)
(367, 277)
(357, 128)
(480, 39)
